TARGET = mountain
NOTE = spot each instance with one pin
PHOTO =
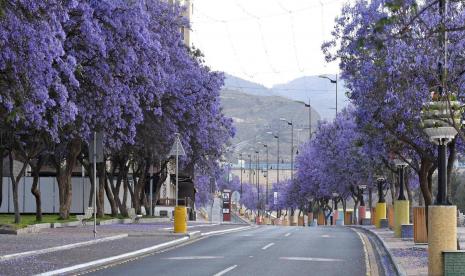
(320, 91)
(255, 115)
(237, 84)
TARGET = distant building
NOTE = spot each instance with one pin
(187, 4)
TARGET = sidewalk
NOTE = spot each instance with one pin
(129, 238)
(410, 257)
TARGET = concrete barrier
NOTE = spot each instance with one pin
(321, 218)
(401, 216)
(348, 218)
(390, 216)
(380, 213)
(442, 236)
(420, 234)
(406, 231)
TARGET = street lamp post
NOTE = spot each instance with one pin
(250, 168)
(309, 119)
(401, 205)
(441, 123)
(240, 160)
(292, 145)
(258, 180)
(362, 207)
(277, 163)
(380, 213)
(332, 81)
(267, 165)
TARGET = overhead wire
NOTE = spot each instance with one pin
(294, 44)
(258, 19)
(231, 43)
(262, 36)
(277, 89)
(248, 18)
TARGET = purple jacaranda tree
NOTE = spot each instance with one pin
(35, 77)
(249, 197)
(389, 63)
(334, 162)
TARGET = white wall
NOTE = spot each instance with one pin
(49, 193)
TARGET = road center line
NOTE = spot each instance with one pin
(310, 259)
(268, 246)
(287, 235)
(194, 258)
(222, 272)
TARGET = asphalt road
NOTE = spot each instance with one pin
(265, 250)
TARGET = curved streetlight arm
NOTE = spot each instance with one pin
(328, 78)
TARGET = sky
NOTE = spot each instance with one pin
(265, 41)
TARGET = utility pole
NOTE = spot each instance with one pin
(310, 119)
(292, 151)
(292, 145)
(250, 168)
(267, 175)
(240, 160)
(258, 180)
(277, 164)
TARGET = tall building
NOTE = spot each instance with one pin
(189, 7)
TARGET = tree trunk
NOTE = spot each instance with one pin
(1, 176)
(64, 174)
(392, 188)
(425, 175)
(131, 191)
(15, 185)
(410, 198)
(370, 199)
(450, 167)
(124, 211)
(101, 190)
(111, 198)
(355, 214)
(90, 203)
(35, 189)
(139, 193)
(116, 189)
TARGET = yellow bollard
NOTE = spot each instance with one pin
(401, 216)
(380, 213)
(180, 219)
(442, 236)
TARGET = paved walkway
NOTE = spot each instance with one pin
(413, 258)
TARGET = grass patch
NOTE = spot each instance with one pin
(30, 219)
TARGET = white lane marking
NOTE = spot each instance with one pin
(287, 235)
(310, 259)
(268, 246)
(222, 272)
(194, 258)
(220, 232)
(325, 236)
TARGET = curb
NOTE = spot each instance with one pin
(400, 271)
(190, 236)
(61, 247)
